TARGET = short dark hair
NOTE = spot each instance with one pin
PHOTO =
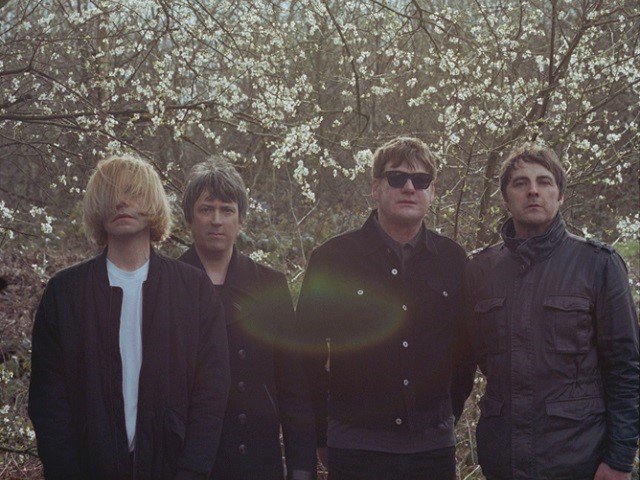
(532, 152)
(403, 149)
(218, 177)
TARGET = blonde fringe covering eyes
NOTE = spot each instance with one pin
(131, 177)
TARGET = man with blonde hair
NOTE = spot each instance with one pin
(130, 370)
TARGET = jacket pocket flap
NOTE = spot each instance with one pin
(490, 407)
(483, 306)
(567, 303)
(575, 408)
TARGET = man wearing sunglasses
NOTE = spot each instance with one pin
(380, 309)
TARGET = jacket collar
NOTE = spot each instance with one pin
(240, 274)
(102, 276)
(534, 249)
(191, 257)
(374, 242)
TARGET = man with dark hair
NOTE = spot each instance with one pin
(556, 334)
(268, 387)
(130, 369)
(380, 309)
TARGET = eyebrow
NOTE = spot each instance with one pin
(210, 199)
(539, 177)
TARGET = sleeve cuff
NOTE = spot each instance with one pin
(618, 463)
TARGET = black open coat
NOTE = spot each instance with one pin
(75, 396)
(268, 388)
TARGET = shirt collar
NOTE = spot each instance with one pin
(392, 243)
(374, 239)
(103, 275)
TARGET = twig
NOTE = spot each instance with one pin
(24, 451)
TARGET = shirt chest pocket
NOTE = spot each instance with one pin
(568, 324)
(491, 322)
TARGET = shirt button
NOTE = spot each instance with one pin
(394, 271)
(360, 292)
(445, 294)
(404, 307)
(242, 449)
(242, 353)
(242, 386)
(242, 419)
(398, 421)
(405, 382)
(405, 344)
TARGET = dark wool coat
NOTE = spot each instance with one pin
(75, 396)
(394, 362)
(556, 335)
(268, 388)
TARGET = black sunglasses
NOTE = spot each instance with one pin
(398, 179)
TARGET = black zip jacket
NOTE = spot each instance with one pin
(268, 387)
(393, 359)
(75, 395)
(556, 335)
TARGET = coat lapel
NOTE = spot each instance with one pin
(239, 286)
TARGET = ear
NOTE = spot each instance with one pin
(561, 199)
(431, 192)
(240, 218)
(505, 203)
(375, 187)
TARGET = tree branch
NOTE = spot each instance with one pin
(352, 62)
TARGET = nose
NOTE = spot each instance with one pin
(122, 203)
(533, 189)
(215, 217)
(408, 186)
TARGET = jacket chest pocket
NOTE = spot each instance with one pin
(491, 320)
(568, 324)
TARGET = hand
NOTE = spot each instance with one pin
(605, 472)
(322, 456)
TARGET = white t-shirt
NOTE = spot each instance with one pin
(130, 338)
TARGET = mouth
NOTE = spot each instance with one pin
(122, 215)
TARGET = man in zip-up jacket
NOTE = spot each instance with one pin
(130, 369)
(556, 334)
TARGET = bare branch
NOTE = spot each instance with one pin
(354, 68)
